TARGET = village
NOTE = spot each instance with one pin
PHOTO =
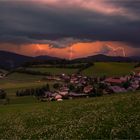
(78, 86)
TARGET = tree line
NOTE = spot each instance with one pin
(37, 92)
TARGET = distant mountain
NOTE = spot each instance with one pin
(104, 58)
(11, 60)
(135, 58)
(46, 57)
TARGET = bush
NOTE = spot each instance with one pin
(2, 94)
(56, 86)
(21, 70)
(33, 91)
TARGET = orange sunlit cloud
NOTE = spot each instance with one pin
(74, 51)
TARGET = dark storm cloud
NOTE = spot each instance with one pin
(34, 22)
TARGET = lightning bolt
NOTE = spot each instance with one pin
(39, 47)
(71, 53)
(116, 49)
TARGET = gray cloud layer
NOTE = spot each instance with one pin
(50, 21)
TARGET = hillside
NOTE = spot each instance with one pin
(108, 117)
(104, 58)
(11, 60)
(45, 57)
(109, 69)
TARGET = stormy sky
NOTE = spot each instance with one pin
(35, 27)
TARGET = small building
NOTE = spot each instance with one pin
(77, 95)
(117, 89)
(58, 97)
(88, 89)
(116, 81)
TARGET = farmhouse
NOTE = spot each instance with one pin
(117, 89)
(77, 95)
(117, 81)
(47, 94)
(88, 89)
(74, 80)
(53, 78)
(63, 91)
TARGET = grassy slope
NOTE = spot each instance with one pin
(55, 70)
(114, 116)
(109, 69)
(17, 81)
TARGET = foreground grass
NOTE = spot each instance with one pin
(109, 69)
(109, 117)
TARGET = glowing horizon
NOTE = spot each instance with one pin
(73, 51)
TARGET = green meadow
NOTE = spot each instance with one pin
(108, 117)
(98, 69)
(17, 81)
(109, 69)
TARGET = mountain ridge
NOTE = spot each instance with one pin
(11, 59)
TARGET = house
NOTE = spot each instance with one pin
(88, 89)
(74, 80)
(77, 95)
(58, 97)
(52, 78)
(59, 100)
(135, 86)
(63, 92)
(117, 89)
(47, 94)
(117, 81)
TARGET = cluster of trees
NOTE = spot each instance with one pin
(47, 62)
(58, 63)
(70, 66)
(21, 70)
(33, 91)
(85, 66)
(2, 94)
(80, 67)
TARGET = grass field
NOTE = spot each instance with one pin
(17, 81)
(109, 69)
(55, 70)
(109, 117)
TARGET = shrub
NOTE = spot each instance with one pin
(2, 94)
(33, 91)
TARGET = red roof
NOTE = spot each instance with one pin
(113, 80)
